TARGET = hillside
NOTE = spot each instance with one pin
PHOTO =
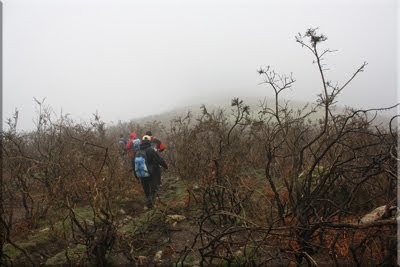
(224, 103)
(211, 105)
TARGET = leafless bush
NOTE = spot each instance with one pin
(321, 174)
(61, 167)
(285, 186)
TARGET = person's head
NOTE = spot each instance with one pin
(132, 135)
(149, 133)
(121, 136)
(146, 138)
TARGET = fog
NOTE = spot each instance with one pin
(128, 59)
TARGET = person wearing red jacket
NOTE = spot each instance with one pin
(130, 147)
(156, 143)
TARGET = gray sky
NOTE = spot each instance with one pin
(128, 59)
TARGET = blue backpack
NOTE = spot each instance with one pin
(141, 168)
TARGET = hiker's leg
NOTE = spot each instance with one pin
(147, 188)
(155, 185)
(157, 178)
(133, 164)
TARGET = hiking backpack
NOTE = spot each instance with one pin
(136, 145)
(141, 168)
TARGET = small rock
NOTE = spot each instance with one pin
(174, 218)
(122, 211)
(89, 222)
(142, 260)
(158, 256)
(375, 215)
(127, 218)
(238, 253)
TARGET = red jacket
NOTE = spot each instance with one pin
(159, 146)
(132, 137)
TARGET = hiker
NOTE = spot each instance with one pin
(156, 143)
(122, 144)
(147, 169)
(132, 146)
(158, 146)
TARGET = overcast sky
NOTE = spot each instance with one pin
(127, 59)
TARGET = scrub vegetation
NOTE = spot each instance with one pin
(282, 187)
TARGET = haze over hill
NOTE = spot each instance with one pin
(224, 102)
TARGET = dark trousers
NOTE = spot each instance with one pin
(133, 163)
(157, 177)
(150, 187)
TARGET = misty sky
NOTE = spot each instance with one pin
(127, 59)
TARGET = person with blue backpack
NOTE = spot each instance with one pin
(159, 147)
(147, 167)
